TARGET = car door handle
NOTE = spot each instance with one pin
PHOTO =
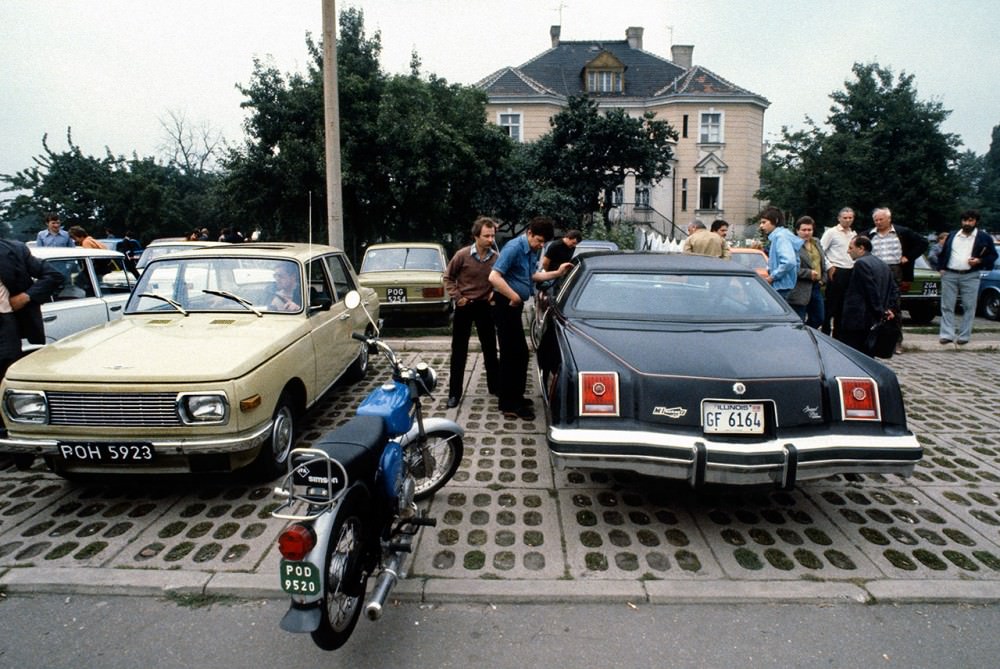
(118, 308)
(48, 319)
(344, 316)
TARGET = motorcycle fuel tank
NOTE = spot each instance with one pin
(390, 402)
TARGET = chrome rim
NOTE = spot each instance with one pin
(443, 456)
(281, 434)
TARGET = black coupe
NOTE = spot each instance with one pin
(689, 367)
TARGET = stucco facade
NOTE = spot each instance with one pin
(720, 125)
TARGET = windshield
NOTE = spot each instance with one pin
(666, 297)
(390, 260)
(218, 284)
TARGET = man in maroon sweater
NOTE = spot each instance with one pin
(467, 281)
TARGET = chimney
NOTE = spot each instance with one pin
(681, 55)
(634, 37)
(554, 34)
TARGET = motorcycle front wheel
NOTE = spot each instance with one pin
(344, 588)
(445, 449)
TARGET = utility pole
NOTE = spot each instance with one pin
(331, 121)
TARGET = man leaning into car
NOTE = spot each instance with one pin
(21, 299)
(965, 254)
(512, 277)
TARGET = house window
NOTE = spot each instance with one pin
(711, 128)
(618, 196)
(512, 124)
(604, 81)
(684, 134)
(684, 194)
(708, 193)
(642, 195)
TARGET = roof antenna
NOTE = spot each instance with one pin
(562, 5)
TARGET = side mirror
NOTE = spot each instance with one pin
(352, 299)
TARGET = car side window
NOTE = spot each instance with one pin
(319, 286)
(77, 282)
(342, 279)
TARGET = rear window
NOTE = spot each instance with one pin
(390, 260)
(677, 297)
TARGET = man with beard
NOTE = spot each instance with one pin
(965, 254)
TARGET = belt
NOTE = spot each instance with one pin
(959, 271)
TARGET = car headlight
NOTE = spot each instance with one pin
(23, 406)
(203, 408)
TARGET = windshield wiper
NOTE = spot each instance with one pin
(235, 298)
(172, 303)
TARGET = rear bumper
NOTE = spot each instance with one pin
(701, 460)
(430, 307)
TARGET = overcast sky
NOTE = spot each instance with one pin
(111, 69)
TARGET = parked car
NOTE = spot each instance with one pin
(693, 368)
(921, 298)
(989, 292)
(219, 353)
(94, 291)
(594, 245)
(754, 259)
(408, 278)
(162, 247)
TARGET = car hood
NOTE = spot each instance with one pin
(399, 277)
(745, 351)
(162, 349)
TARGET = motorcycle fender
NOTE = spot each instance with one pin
(302, 619)
(433, 424)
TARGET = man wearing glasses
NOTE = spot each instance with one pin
(53, 234)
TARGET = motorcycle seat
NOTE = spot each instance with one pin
(356, 445)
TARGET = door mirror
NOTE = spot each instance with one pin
(352, 299)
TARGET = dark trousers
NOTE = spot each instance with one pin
(835, 290)
(461, 329)
(513, 353)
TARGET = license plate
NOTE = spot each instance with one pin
(930, 288)
(299, 578)
(99, 451)
(395, 294)
(732, 418)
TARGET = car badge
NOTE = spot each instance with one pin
(812, 412)
(739, 388)
(670, 412)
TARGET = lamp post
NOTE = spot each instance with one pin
(331, 122)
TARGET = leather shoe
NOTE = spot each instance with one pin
(962, 342)
(452, 402)
(944, 341)
(524, 413)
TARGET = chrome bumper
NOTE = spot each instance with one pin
(701, 460)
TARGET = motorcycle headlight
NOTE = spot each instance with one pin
(428, 376)
(26, 406)
(201, 408)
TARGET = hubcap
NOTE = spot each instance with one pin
(281, 435)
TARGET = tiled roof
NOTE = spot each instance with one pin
(559, 71)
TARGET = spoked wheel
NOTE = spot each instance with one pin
(344, 592)
(435, 462)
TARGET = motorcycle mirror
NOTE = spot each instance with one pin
(353, 299)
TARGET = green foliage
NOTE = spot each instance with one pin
(622, 234)
(883, 147)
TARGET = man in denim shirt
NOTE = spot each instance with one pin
(513, 277)
(783, 255)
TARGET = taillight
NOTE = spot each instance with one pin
(433, 292)
(598, 393)
(296, 541)
(859, 399)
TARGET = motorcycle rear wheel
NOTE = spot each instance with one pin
(446, 449)
(344, 585)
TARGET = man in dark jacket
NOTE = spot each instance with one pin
(21, 299)
(899, 248)
(965, 253)
(870, 295)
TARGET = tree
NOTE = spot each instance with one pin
(988, 187)
(883, 147)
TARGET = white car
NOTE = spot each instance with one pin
(95, 290)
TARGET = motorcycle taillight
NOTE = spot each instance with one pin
(296, 541)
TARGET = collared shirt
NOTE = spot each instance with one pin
(834, 243)
(46, 238)
(5, 307)
(961, 251)
(517, 263)
(887, 247)
(467, 274)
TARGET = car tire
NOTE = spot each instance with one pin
(921, 315)
(991, 306)
(272, 460)
(359, 368)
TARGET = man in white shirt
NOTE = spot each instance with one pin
(835, 242)
(965, 254)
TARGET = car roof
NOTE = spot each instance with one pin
(743, 249)
(183, 243)
(652, 261)
(50, 252)
(405, 245)
(291, 250)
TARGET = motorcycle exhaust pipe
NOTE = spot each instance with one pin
(385, 583)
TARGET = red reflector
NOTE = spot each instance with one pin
(598, 394)
(859, 399)
(295, 542)
(433, 292)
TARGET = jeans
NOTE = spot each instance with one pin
(957, 287)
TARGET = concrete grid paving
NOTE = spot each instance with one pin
(508, 517)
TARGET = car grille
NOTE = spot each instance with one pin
(113, 409)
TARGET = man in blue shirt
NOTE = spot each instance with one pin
(783, 254)
(513, 277)
(53, 234)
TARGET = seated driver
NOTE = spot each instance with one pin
(286, 295)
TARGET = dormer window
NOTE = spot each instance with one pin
(605, 74)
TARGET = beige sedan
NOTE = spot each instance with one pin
(218, 355)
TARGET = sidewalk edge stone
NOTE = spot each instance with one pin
(99, 581)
